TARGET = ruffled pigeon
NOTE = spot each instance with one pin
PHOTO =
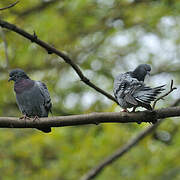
(130, 90)
(32, 97)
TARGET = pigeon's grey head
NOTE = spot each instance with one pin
(141, 71)
(17, 75)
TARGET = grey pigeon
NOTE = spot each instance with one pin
(130, 90)
(32, 97)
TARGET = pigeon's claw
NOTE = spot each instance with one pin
(24, 117)
(125, 110)
(35, 118)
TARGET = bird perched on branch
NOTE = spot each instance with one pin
(130, 90)
(32, 97)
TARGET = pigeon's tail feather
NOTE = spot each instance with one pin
(45, 130)
(147, 94)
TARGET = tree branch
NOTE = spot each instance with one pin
(131, 143)
(50, 50)
(92, 118)
(11, 5)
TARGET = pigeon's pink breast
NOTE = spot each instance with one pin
(23, 85)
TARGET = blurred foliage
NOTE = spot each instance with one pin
(104, 37)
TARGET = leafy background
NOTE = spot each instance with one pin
(104, 37)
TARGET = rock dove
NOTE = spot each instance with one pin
(130, 90)
(32, 97)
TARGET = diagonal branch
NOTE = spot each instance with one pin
(127, 147)
(11, 5)
(51, 50)
(92, 118)
(118, 153)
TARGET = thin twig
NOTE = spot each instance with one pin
(11, 5)
(95, 171)
(50, 50)
(164, 95)
(5, 48)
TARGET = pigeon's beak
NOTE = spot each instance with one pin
(10, 79)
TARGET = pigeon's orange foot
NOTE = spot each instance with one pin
(125, 110)
(35, 118)
(24, 117)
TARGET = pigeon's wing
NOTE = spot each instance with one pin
(146, 94)
(119, 85)
(130, 99)
(45, 93)
(125, 86)
(47, 102)
(129, 90)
